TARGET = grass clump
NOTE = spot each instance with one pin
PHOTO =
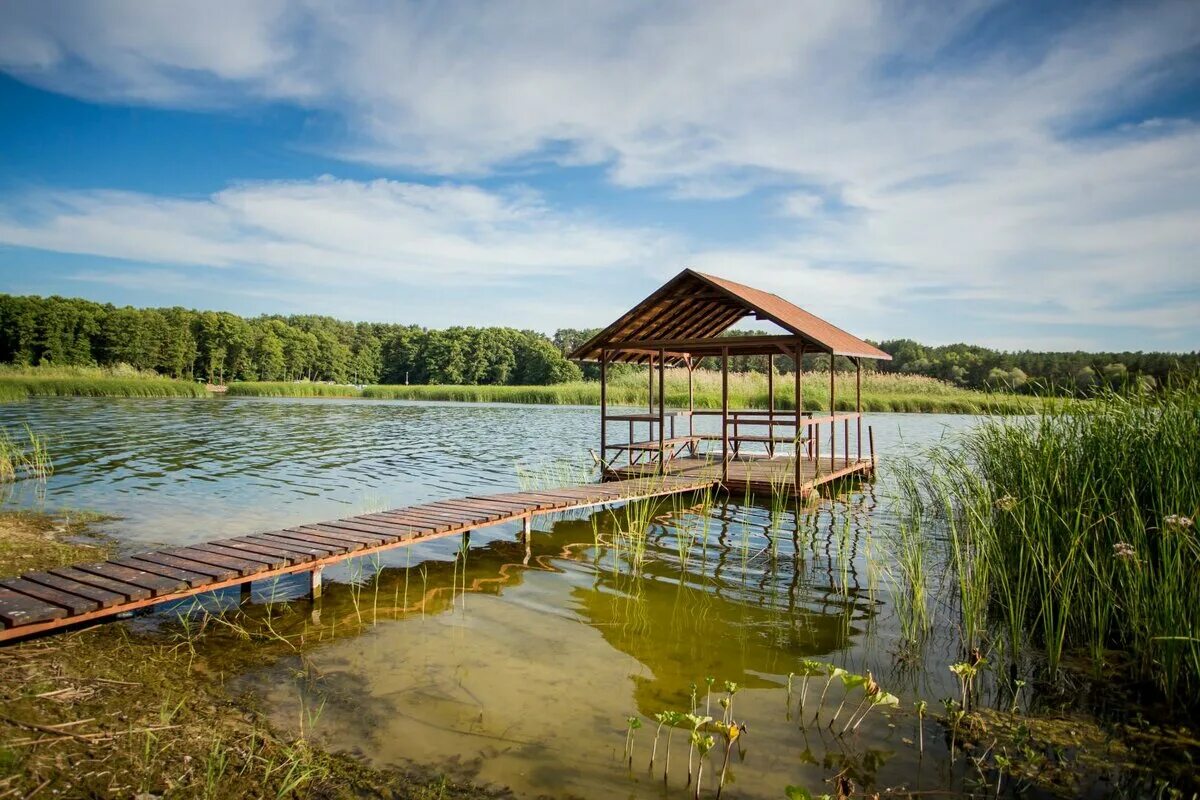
(1075, 531)
(21, 383)
(881, 392)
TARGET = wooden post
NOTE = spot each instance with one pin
(799, 406)
(691, 366)
(662, 453)
(871, 434)
(314, 590)
(771, 405)
(527, 536)
(724, 415)
(832, 405)
(858, 404)
(246, 592)
(603, 413)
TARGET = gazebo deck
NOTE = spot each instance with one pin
(756, 475)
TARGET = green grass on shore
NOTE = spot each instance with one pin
(880, 393)
(20, 383)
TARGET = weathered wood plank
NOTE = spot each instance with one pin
(188, 565)
(335, 546)
(103, 597)
(192, 579)
(270, 562)
(241, 565)
(20, 609)
(157, 584)
(73, 603)
(131, 592)
(291, 556)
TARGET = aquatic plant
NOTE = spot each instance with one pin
(674, 720)
(966, 674)
(1066, 527)
(920, 707)
(732, 732)
(27, 458)
(632, 723)
(697, 722)
(703, 743)
(809, 668)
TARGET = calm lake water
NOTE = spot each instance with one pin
(520, 669)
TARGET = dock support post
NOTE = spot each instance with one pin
(314, 590)
(662, 410)
(603, 413)
(858, 403)
(799, 408)
(691, 366)
(725, 416)
(832, 411)
(245, 592)
(871, 435)
(527, 536)
(771, 405)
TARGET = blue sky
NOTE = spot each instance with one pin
(1022, 175)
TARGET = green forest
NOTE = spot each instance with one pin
(219, 347)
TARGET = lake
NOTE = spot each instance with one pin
(519, 669)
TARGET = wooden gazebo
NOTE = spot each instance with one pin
(771, 450)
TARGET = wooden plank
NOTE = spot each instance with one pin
(157, 584)
(367, 540)
(438, 524)
(103, 597)
(454, 518)
(291, 556)
(271, 562)
(525, 504)
(506, 510)
(192, 579)
(129, 591)
(213, 573)
(334, 546)
(409, 527)
(18, 609)
(314, 548)
(378, 531)
(241, 565)
(479, 511)
(403, 516)
(73, 603)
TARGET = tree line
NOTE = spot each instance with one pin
(218, 346)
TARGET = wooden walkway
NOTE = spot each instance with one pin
(42, 601)
(757, 475)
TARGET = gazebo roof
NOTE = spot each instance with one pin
(687, 316)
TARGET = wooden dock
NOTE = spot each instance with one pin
(761, 476)
(44, 601)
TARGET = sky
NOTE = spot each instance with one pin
(1019, 175)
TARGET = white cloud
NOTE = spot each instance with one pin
(332, 231)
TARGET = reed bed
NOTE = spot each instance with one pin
(21, 383)
(746, 390)
(1075, 533)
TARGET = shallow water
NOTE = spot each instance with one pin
(520, 669)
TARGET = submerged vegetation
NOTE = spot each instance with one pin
(1073, 535)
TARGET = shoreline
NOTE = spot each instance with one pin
(934, 399)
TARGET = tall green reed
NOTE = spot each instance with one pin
(1075, 531)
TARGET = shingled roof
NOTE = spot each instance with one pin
(688, 314)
